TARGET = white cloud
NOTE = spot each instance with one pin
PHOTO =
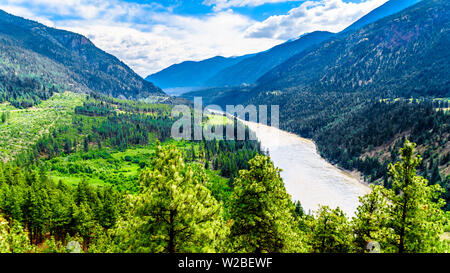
(173, 39)
(329, 15)
(23, 12)
(225, 4)
(149, 37)
(145, 39)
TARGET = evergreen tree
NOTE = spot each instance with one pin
(67, 146)
(416, 218)
(109, 209)
(299, 209)
(262, 211)
(330, 232)
(370, 223)
(85, 145)
(62, 211)
(38, 210)
(13, 238)
(435, 175)
(84, 222)
(174, 212)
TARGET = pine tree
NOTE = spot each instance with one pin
(416, 219)
(299, 209)
(435, 175)
(13, 238)
(371, 221)
(37, 213)
(109, 208)
(85, 145)
(84, 222)
(174, 212)
(330, 232)
(262, 212)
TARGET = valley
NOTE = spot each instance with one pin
(90, 160)
(309, 178)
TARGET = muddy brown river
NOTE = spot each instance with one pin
(308, 177)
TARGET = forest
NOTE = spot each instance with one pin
(95, 169)
(108, 178)
(177, 209)
(88, 166)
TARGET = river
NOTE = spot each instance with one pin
(308, 177)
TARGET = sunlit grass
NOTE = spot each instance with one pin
(23, 127)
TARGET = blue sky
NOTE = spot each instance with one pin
(151, 35)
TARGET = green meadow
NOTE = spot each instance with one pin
(23, 127)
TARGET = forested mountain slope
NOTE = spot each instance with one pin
(192, 74)
(352, 94)
(36, 58)
(406, 53)
(249, 70)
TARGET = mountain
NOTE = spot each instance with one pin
(192, 74)
(406, 53)
(40, 59)
(388, 8)
(223, 72)
(352, 94)
(249, 70)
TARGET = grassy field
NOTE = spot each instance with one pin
(100, 165)
(217, 120)
(24, 127)
(120, 169)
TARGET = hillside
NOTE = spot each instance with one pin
(190, 74)
(249, 70)
(36, 58)
(402, 54)
(348, 94)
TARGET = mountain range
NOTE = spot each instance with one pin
(233, 71)
(402, 54)
(36, 59)
(247, 71)
(250, 68)
(190, 75)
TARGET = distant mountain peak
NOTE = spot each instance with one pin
(214, 72)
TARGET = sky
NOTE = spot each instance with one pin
(152, 35)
